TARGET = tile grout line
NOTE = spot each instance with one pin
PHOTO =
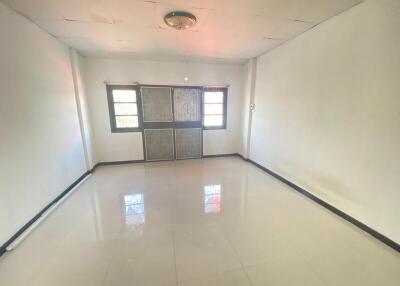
(108, 271)
(173, 237)
(174, 251)
(316, 273)
(238, 256)
(231, 243)
(205, 276)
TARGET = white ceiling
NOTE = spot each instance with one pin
(227, 30)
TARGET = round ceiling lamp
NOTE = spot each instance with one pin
(180, 20)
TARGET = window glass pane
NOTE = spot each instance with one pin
(126, 121)
(125, 108)
(213, 109)
(213, 97)
(124, 95)
(213, 120)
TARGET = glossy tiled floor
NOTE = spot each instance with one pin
(198, 222)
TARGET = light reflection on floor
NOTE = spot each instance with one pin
(212, 198)
(207, 222)
(134, 209)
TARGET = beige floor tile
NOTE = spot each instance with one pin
(201, 250)
(146, 260)
(79, 264)
(284, 273)
(195, 222)
(231, 278)
(371, 265)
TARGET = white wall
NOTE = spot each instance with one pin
(328, 113)
(249, 81)
(128, 146)
(41, 147)
(83, 109)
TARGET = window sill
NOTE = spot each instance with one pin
(126, 130)
(215, 128)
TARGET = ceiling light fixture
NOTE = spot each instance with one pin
(180, 20)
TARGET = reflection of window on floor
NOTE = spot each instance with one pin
(134, 209)
(212, 199)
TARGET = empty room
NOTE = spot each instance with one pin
(200, 142)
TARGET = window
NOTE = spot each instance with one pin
(123, 107)
(214, 108)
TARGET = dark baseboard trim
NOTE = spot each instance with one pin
(219, 155)
(364, 227)
(309, 195)
(331, 208)
(113, 163)
(3, 248)
(241, 156)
